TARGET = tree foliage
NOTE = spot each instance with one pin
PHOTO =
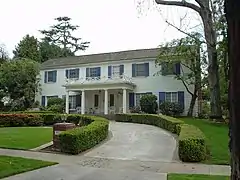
(28, 48)
(186, 51)
(19, 81)
(60, 34)
(3, 54)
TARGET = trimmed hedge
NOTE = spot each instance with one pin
(18, 120)
(82, 138)
(192, 143)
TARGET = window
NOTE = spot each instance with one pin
(170, 68)
(96, 100)
(140, 69)
(111, 100)
(50, 76)
(93, 72)
(171, 97)
(72, 102)
(115, 71)
(72, 73)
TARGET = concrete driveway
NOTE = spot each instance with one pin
(137, 142)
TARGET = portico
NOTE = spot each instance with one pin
(108, 97)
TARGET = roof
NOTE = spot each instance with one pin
(102, 57)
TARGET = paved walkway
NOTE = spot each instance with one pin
(134, 152)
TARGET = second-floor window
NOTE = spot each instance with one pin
(170, 68)
(50, 76)
(72, 73)
(94, 72)
(141, 69)
(115, 71)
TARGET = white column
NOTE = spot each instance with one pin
(124, 101)
(67, 102)
(106, 102)
(83, 102)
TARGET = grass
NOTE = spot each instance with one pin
(14, 165)
(217, 139)
(195, 177)
(24, 137)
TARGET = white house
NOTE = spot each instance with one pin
(109, 82)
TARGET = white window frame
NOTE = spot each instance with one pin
(116, 71)
(93, 72)
(74, 74)
(171, 97)
(72, 101)
(138, 98)
(50, 81)
(139, 73)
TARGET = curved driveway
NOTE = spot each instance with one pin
(136, 142)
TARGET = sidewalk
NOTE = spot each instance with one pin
(147, 166)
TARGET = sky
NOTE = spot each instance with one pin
(108, 25)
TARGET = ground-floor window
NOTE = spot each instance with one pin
(96, 100)
(171, 97)
(72, 102)
(111, 100)
(139, 96)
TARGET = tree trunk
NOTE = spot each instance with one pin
(213, 74)
(233, 19)
(192, 104)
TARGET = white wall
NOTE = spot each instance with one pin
(152, 83)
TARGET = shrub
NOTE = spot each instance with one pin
(192, 144)
(149, 104)
(18, 120)
(57, 108)
(54, 101)
(171, 108)
(82, 138)
(191, 139)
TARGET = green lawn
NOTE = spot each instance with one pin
(14, 165)
(195, 177)
(24, 137)
(217, 139)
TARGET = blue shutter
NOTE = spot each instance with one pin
(161, 97)
(43, 100)
(177, 68)
(99, 71)
(77, 72)
(131, 100)
(133, 70)
(146, 69)
(109, 71)
(54, 76)
(67, 73)
(181, 98)
(45, 77)
(87, 73)
(121, 69)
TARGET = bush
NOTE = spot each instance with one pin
(171, 108)
(192, 144)
(149, 104)
(54, 101)
(18, 120)
(57, 108)
(82, 138)
(191, 139)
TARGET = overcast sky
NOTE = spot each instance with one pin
(109, 25)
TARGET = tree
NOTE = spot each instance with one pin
(61, 35)
(186, 51)
(19, 81)
(28, 48)
(3, 54)
(205, 9)
(233, 20)
(51, 51)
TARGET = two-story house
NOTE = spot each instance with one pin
(109, 82)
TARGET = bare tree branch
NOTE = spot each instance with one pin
(179, 3)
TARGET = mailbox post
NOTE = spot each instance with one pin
(58, 128)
